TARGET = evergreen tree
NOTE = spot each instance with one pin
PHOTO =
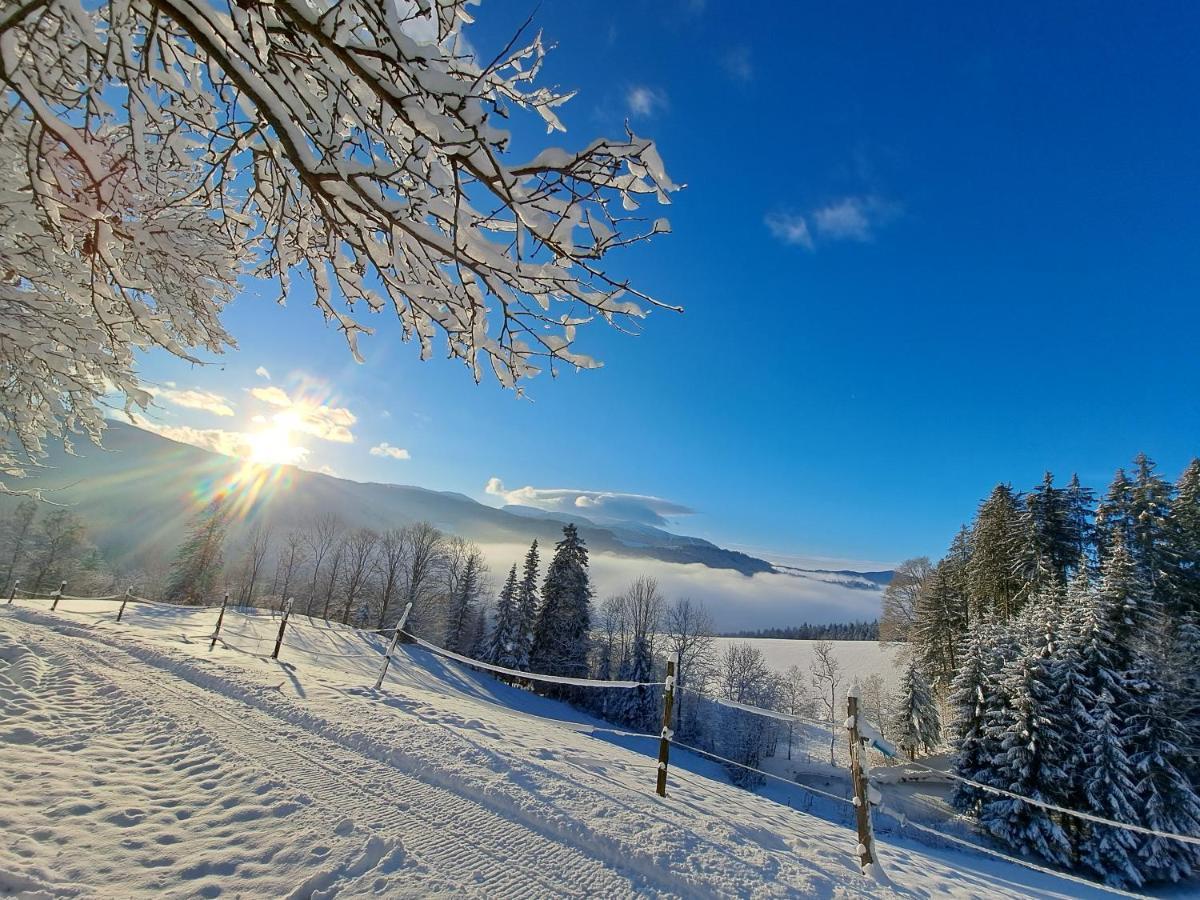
(939, 624)
(560, 638)
(1032, 752)
(1081, 502)
(1114, 516)
(1051, 545)
(997, 539)
(1150, 533)
(1108, 791)
(528, 607)
(916, 723)
(197, 565)
(1167, 800)
(1184, 538)
(636, 707)
(504, 644)
(969, 694)
(463, 610)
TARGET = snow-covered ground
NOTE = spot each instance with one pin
(136, 763)
(857, 659)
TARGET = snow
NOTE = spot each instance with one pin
(857, 659)
(137, 763)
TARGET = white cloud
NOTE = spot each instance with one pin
(237, 444)
(192, 399)
(310, 416)
(386, 449)
(645, 101)
(846, 219)
(598, 506)
(738, 65)
(262, 372)
(791, 229)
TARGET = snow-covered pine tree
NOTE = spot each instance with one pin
(463, 606)
(938, 627)
(969, 694)
(503, 645)
(1033, 748)
(1114, 517)
(1051, 545)
(1106, 781)
(198, 560)
(996, 551)
(1166, 798)
(916, 722)
(560, 637)
(636, 707)
(528, 607)
(1081, 505)
(1150, 535)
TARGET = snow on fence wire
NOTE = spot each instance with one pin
(861, 733)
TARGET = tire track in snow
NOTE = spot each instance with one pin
(472, 847)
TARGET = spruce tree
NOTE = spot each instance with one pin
(993, 572)
(1033, 750)
(1114, 516)
(503, 647)
(560, 638)
(198, 561)
(1108, 790)
(969, 695)
(528, 607)
(635, 707)
(1081, 503)
(916, 723)
(1159, 757)
(938, 627)
(463, 609)
(1051, 545)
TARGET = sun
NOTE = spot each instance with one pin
(274, 447)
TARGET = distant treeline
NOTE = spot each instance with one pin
(835, 631)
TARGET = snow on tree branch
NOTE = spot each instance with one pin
(353, 142)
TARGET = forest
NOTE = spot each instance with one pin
(1060, 637)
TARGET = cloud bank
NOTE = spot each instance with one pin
(385, 449)
(599, 506)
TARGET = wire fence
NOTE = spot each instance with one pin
(871, 798)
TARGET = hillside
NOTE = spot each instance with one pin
(137, 493)
(184, 772)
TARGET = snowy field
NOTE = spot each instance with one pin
(857, 659)
(136, 763)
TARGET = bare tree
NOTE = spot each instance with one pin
(58, 539)
(688, 635)
(425, 561)
(17, 533)
(335, 558)
(361, 546)
(287, 565)
(394, 550)
(900, 598)
(164, 148)
(826, 675)
(322, 534)
(793, 693)
(260, 545)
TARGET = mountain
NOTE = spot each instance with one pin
(138, 493)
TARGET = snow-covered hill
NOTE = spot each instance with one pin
(137, 763)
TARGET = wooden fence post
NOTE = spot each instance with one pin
(13, 592)
(387, 657)
(220, 619)
(858, 778)
(57, 596)
(124, 600)
(287, 611)
(664, 743)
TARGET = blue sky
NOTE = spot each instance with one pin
(922, 250)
